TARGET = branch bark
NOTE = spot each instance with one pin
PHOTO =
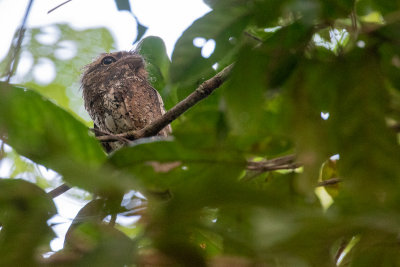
(281, 163)
(328, 182)
(58, 190)
(204, 90)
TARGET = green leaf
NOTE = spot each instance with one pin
(25, 209)
(53, 132)
(384, 6)
(164, 164)
(65, 52)
(266, 12)
(329, 171)
(224, 27)
(260, 70)
(99, 245)
(153, 49)
(358, 125)
(55, 139)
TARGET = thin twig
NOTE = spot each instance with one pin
(204, 90)
(51, 10)
(281, 163)
(331, 181)
(99, 133)
(58, 190)
(11, 65)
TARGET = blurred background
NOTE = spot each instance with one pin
(56, 47)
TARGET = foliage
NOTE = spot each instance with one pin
(293, 60)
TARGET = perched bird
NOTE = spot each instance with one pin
(118, 95)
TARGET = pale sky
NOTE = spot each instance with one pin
(164, 18)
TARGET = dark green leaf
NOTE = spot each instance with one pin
(55, 139)
(257, 70)
(153, 49)
(53, 133)
(365, 7)
(223, 27)
(99, 245)
(24, 211)
(162, 164)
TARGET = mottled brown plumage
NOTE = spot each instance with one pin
(118, 96)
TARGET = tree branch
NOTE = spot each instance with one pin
(58, 190)
(99, 133)
(331, 181)
(51, 10)
(204, 90)
(11, 67)
(281, 163)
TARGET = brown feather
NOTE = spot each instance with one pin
(118, 96)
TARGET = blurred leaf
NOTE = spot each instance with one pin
(55, 139)
(123, 5)
(63, 51)
(97, 245)
(375, 249)
(384, 6)
(266, 12)
(153, 49)
(257, 70)
(222, 26)
(53, 132)
(334, 9)
(141, 158)
(93, 212)
(141, 30)
(24, 211)
(329, 171)
(366, 97)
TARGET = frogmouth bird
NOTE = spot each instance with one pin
(118, 95)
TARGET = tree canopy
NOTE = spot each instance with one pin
(292, 159)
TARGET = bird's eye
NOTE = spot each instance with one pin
(108, 60)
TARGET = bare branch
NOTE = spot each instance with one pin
(51, 10)
(99, 133)
(281, 163)
(11, 67)
(331, 181)
(204, 90)
(59, 190)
